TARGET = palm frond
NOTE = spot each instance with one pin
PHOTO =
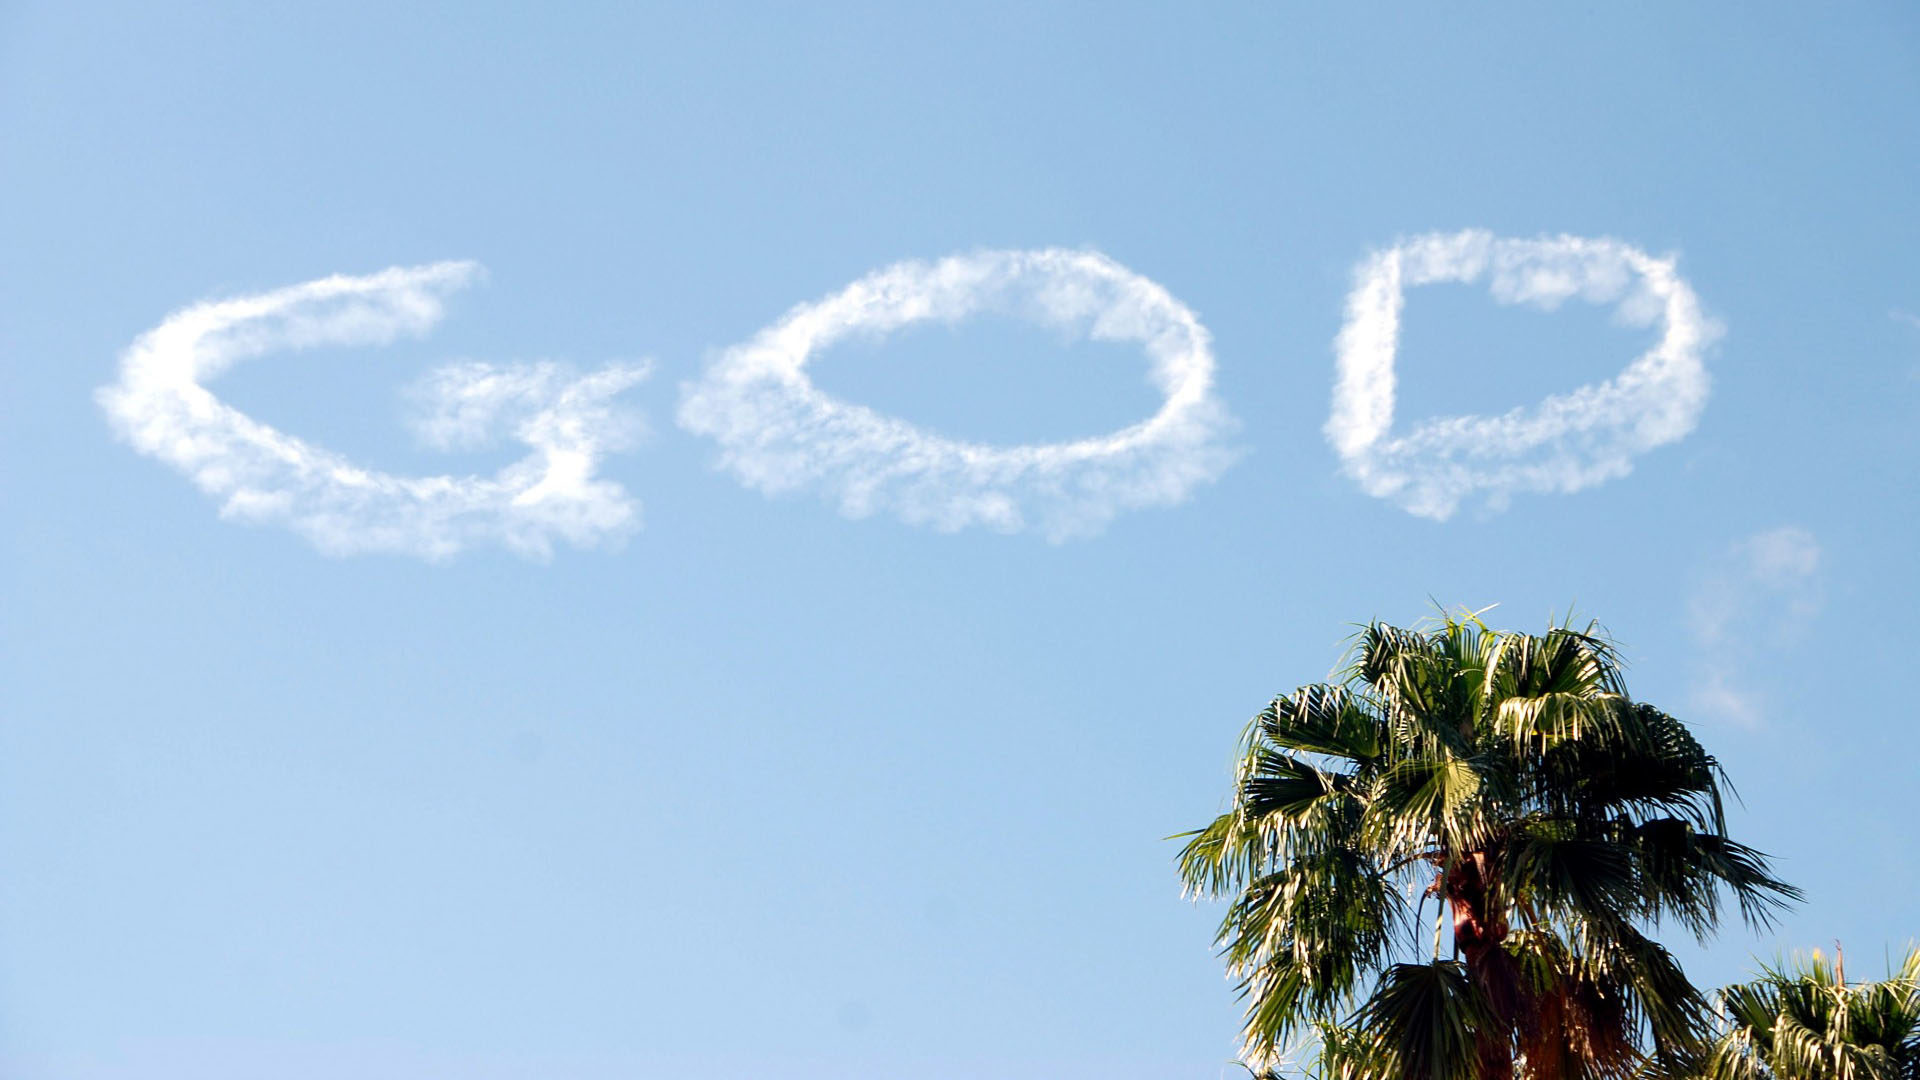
(1423, 1022)
(1323, 719)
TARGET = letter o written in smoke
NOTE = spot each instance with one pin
(778, 432)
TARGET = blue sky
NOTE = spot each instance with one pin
(741, 783)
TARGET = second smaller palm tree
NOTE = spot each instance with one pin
(1801, 1021)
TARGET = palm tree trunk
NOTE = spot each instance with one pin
(1477, 934)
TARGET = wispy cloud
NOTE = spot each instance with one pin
(260, 474)
(1567, 442)
(1908, 317)
(778, 432)
(1756, 597)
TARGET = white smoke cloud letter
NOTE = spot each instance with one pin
(778, 432)
(1569, 441)
(260, 474)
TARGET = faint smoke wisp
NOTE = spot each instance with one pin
(1756, 597)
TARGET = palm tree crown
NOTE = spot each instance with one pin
(1509, 778)
(1801, 1021)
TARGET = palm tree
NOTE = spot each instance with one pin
(1801, 1021)
(1509, 778)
